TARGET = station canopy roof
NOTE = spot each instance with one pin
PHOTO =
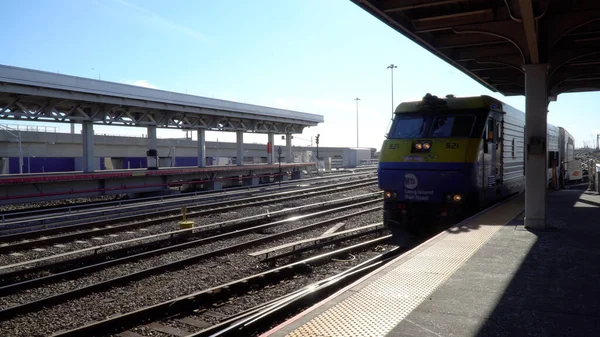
(33, 95)
(491, 40)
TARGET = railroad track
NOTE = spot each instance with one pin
(183, 237)
(181, 263)
(57, 215)
(21, 241)
(186, 305)
(255, 319)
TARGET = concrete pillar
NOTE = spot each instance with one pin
(250, 181)
(152, 154)
(87, 132)
(152, 138)
(271, 155)
(289, 156)
(201, 148)
(213, 185)
(240, 148)
(536, 103)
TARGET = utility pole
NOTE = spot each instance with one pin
(392, 66)
(357, 99)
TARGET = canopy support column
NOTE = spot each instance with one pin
(270, 147)
(289, 156)
(152, 153)
(536, 139)
(240, 148)
(87, 132)
(201, 148)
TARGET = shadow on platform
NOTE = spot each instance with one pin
(555, 290)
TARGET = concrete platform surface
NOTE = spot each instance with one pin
(512, 282)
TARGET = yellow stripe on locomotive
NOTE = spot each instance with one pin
(430, 150)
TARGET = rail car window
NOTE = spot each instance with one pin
(513, 148)
(409, 128)
(452, 126)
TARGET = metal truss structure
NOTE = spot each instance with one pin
(31, 95)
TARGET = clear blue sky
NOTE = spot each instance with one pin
(314, 56)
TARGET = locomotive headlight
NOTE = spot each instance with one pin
(387, 195)
(457, 198)
(426, 146)
(418, 146)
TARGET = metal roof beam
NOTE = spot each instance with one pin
(514, 61)
(407, 5)
(582, 63)
(475, 53)
(491, 68)
(563, 25)
(404, 27)
(593, 32)
(572, 74)
(531, 33)
(466, 40)
(451, 20)
(453, 16)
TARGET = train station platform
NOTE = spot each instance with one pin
(61, 185)
(488, 276)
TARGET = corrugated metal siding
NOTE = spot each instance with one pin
(552, 138)
(513, 142)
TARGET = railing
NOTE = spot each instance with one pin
(369, 161)
(31, 128)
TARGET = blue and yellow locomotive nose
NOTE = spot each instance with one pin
(428, 169)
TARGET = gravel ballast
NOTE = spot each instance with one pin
(242, 211)
(150, 290)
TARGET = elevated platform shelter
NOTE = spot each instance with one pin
(32, 95)
(536, 48)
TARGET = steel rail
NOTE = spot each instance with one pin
(21, 216)
(229, 224)
(220, 206)
(242, 321)
(124, 279)
(25, 284)
(190, 302)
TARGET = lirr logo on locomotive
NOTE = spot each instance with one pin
(410, 181)
(410, 189)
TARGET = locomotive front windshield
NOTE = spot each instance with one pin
(432, 127)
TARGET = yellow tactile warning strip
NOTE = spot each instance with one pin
(378, 307)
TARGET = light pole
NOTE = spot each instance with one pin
(357, 99)
(392, 66)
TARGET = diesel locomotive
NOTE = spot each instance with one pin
(445, 158)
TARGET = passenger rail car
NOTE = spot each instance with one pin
(446, 157)
(570, 169)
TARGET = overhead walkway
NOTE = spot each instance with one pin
(487, 276)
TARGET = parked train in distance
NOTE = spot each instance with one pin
(445, 158)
